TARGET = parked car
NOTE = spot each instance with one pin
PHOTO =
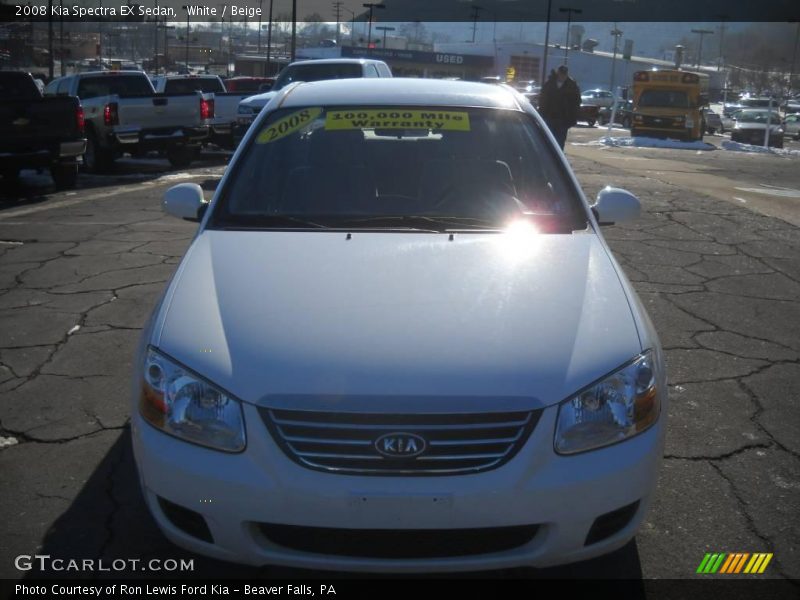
(597, 98)
(623, 115)
(38, 132)
(791, 125)
(526, 87)
(309, 70)
(588, 113)
(124, 114)
(751, 127)
(226, 104)
(713, 121)
(730, 108)
(247, 84)
(386, 348)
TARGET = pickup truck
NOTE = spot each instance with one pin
(125, 114)
(226, 104)
(38, 132)
(308, 70)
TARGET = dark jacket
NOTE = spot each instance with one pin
(560, 105)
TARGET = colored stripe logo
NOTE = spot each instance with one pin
(734, 563)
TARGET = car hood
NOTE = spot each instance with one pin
(393, 313)
(757, 126)
(258, 101)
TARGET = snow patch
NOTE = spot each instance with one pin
(739, 147)
(647, 142)
(6, 442)
(73, 330)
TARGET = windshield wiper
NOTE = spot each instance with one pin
(419, 223)
(268, 222)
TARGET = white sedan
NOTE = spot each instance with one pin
(399, 342)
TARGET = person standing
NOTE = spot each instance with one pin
(559, 103)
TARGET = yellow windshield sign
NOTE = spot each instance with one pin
(444, 120)
(288, 125)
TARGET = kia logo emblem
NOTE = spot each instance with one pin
(400, 445)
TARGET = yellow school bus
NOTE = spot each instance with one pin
(669, 103)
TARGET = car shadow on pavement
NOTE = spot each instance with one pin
(109, 520)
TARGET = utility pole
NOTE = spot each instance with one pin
(794, 57)
(269, 41)
(720, 58)
(294, 28)
(337, 7)
(546, 44)
(701, 33)
(371, 6)
(155, 54)
(50, 60)
(186, 8)
(260, 3)
(61, 36)
(475, 10)
(569, 12)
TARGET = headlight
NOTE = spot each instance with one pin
(620, 406)
(182, 404)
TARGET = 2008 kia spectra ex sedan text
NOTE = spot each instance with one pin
(399, 342)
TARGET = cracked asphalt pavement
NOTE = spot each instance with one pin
(716, 265)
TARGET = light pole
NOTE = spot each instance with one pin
(384, 30)
(569, 12)
(475, 10)
(617, 34)
(546, 44)
(701, 33)
(371, 6)
(186, 8)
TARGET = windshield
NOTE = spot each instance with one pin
(755, 116)
(317, 72)
(664, 98)
(122, 85)
(757, 102)
(409, 167)
(191, 84)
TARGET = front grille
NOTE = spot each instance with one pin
(341, 442)
(387, 543)
(661, 122)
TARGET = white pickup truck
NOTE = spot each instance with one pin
(308, 70)
(226, 104)
(124, 114)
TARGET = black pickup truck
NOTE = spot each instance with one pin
(38, 132)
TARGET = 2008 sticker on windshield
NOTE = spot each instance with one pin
(443, 120)
(288, 125)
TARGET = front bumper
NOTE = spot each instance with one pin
(235, 493)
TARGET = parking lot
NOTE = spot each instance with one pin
(715, 258)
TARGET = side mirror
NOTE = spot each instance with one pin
(185, 201)
(615, 205)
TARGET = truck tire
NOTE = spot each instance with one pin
(181, 157)
(65, 176)
(96, 159)
(626, 123)
(591, 122)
